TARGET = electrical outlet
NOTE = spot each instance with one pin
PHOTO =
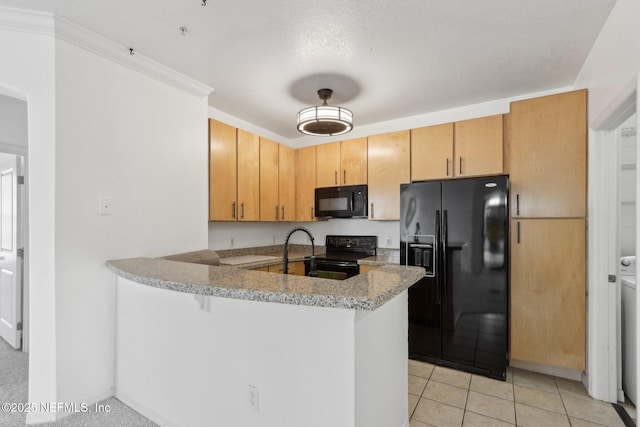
(231, 242)
(104, 206)
(274, 239)
(388, 241)
(254, 398)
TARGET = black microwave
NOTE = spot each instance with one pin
(348, 201)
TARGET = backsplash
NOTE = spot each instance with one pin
(233, 235)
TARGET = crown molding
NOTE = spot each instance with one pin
(92, 42)
(26, 21)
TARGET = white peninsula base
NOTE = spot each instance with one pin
(190, 360)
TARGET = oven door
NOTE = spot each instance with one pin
(333, 269)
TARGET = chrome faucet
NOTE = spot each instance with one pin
(285, 257)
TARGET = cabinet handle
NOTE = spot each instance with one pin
(344, 176)
(448, 166)
(335, 177)
(460, 169)
(276, 213)
(311, 212)
(518, 232)
(242, 210)
(517, 204)
(372, 215)
(233, 210)
(282, 213)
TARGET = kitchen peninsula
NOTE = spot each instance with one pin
(204, 345)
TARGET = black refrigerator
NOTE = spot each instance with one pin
(458, 231)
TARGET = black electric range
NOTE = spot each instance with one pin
(341, 259)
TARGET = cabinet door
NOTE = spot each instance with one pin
(305, 183)
(248, 176)
(548, 291)
(328, 164)
(388, 165)
(548, 156)
(478, 147)
(287, 183)
(432, 152)
(222, 171)
(269, 205)
(353, 162)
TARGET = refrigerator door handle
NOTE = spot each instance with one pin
(436, 254)
(444, 254)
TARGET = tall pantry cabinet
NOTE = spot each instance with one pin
(547, 166)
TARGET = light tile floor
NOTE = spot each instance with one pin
(445, 397)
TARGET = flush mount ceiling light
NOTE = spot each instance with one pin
(325, 120)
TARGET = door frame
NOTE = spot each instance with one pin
(602, 354)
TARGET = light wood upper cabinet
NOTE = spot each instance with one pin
(388, 167)
(305, 183)
(478, 147)
(286, 183)
(342, 163)
(328, 164)
(222, 172)
(548, 156)
(248, 176)
(353, 161)
(548, 291)
(432, 152)
(269, 186)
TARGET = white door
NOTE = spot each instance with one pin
(10, 262)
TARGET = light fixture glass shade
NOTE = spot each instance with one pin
(325, 120)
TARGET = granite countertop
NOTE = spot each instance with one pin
(366, 291)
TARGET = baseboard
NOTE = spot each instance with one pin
(40, 418)
(556, 371)
(142, 409)
(90, 401)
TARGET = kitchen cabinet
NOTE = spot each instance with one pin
(222, 171)
(234, 160)
(296, 268)
(548, 289)
(248, 173)
(478, 147)
(269, 186)
(367, 268)
(328, 164)
(287, 183)
(353, 161)
(548, 156)
(432, 152)
(342, 163)
(305, 183)
(277, 182)
(457, 150)
(388, 162)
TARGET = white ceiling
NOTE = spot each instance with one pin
(384, 59)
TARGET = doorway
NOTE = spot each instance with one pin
(12, 299)
(626, 242)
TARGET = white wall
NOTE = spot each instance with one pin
(143, 143)
(27, 73)
(181, 365)
(13, 121)
(614, 61)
